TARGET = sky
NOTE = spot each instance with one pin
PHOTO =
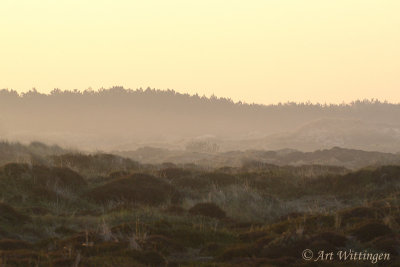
(261, 51)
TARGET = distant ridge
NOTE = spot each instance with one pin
(336, 156)
(40, 153)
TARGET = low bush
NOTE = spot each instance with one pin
(238, 251)
(207, 210)
(13, 244)
(137, 188)
(368, 231)
(9, 215)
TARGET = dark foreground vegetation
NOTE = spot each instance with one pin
(71, 209)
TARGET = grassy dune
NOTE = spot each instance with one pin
(103, 210)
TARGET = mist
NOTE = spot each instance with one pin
(124, 119)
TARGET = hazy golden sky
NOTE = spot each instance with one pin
(259, 51)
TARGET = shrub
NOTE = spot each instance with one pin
(291, 215)
(263, 241)
(103, 248)
(162, 243)
(251, 235)
(63, 230)
(219, 178)
(42, 193)
(9, 215)
(20, 257)
(139, 188)
(174, 209)
(96, 163)
(58, 176)
(239, 251)
(210, 248)
(150, 258)
(37, 210)
(118, 174)
(369, 231)
(335, 239)
(358, 212)
(193, 183)
(13, 244)
(283, 246)
(208, 210)
(173, 173)
(16, 170)
(43, 176)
